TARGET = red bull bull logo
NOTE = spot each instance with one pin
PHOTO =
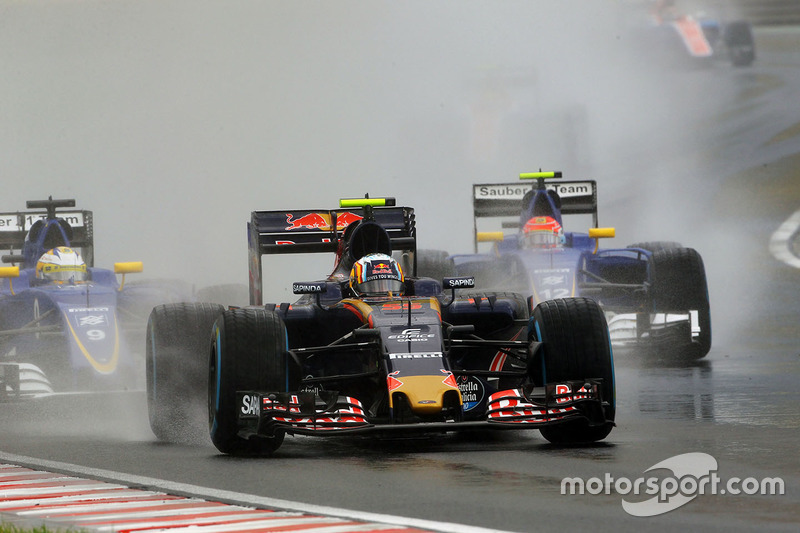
(345, 218)
(320, 221)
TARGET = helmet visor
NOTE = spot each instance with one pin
(64, 272)
(380, 287)
(542, 239)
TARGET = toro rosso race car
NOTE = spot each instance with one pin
(654, 294)
(63, 322)
(373, 349)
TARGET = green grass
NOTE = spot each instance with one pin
(11, 528)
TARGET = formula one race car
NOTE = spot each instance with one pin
(654, 294)
(370, 349)
(700, 37)
(63, 322)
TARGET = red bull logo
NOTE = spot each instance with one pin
(320, 221)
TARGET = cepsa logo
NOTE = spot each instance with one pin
(321, 221)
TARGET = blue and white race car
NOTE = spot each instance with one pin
(700, 36)
(65, 325)
(654, 294)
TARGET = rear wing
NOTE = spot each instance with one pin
(505, 200)
(15, 225)
(315, 231)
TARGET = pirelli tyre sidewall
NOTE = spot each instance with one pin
(176, 372)
(680, 286)
(576, 345)
(248, 353)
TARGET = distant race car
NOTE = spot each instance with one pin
(700, 37)
(654, 294)
(373, 349)
(65, 325)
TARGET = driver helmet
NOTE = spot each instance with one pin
(377, 275)
(61, 265)
(542, 232)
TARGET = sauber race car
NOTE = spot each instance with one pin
(654, 294)
(373, 349)
(63, 322)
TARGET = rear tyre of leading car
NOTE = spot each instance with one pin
(680, 287)
(738, 38)
(576, 346)
(177, 347)
(248, 353)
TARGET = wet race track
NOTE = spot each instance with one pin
(740, 405)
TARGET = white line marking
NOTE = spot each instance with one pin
(779, 243)
(261, 501)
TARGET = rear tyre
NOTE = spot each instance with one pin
(575, 346)
(434, 264)
(178, 339)
(248, 353)
(741, 45)
(680, 286)
(656, 246)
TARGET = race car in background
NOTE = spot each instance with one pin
(73, 334)
(699, 37)
(400, 358)
(654, 294)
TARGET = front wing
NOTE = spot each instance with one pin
(327, 414)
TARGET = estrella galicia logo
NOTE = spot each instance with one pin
(472, 391)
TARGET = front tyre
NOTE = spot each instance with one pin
(177, 344)
(576, 346)
(248, 353)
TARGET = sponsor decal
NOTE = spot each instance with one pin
(501, 192)
(320, 221)
(399, 306)
(455, 283)
(472, 391)
(564, 389)
(15, 222)
(250, 405)
(416, 355)
(514, 191)
(392, 382)
(552, 280)
(308, 288)
(572, 190)
(411, 335)
(450, 379)
(92, 320)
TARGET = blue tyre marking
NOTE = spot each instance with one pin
(218, 372)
